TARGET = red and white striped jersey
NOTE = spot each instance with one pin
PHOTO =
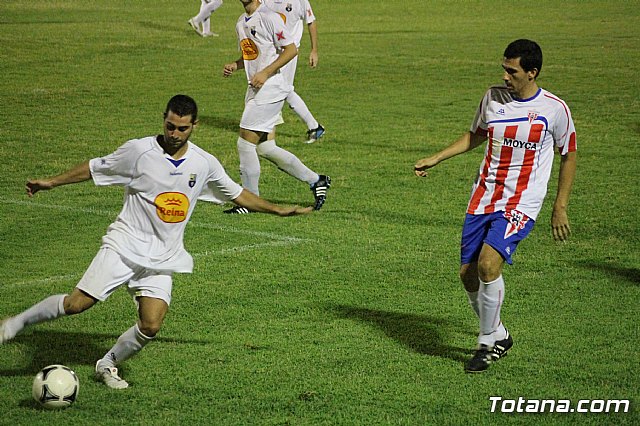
(518, 157)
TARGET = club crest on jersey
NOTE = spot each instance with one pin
(289, 7)
(532, 116)
(253, 31)
(517, 222)
(192, 180)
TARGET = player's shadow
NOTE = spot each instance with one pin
(629, 274)
(223, 123)
(45, 347)
(423, 334)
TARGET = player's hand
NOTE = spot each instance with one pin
(560, 224)
(294, 210)
(313, 59)
(422, 165)
(34, 186)
(229, 69)
(258, 80)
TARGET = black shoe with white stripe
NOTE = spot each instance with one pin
(500, 347)
(319, 190)
(237, 210)
(481, 360)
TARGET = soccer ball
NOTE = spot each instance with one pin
(56, 386)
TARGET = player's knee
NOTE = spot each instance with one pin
(150, 327)
(488, 271)
(75, 305)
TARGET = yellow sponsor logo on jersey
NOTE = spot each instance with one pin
(249, 49)
(172, 207)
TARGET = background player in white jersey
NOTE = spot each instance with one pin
(266, 46)
(296, 13)
(522, 124)
(201, 23)
(162, 177)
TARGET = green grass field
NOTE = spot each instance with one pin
(353, 315)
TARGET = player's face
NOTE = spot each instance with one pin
(517, 80)
(176, 132)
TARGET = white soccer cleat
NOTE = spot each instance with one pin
(5, 334)
(109, 376)
(195, 27)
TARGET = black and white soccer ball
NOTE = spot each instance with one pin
(56, 386)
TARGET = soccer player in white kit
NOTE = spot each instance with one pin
(522, 124)
(296, 13)
(162, 177)
(201, 23)
(266, 46)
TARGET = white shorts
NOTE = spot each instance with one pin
(109, 270)
(263, 117)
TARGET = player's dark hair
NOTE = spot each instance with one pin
(528, 51)
(183, 105)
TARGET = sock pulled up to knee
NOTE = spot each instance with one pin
(287, 162)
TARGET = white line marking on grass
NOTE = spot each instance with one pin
(41, 281)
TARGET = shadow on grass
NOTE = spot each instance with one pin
(223, 123)
(67, 348)
(630, 274)
(421, 333)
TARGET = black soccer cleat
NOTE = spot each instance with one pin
(500, 347)
(315, 134)
(237, 210)
(481, 360)
(319, 190)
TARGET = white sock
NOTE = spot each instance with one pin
(490, 298)
(128, 344)
(287, 162)
(249, 165)
(299, 107)
(46, 310)
(206, 9)
(473, 302)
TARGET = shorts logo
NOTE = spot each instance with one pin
(249, 49)
(517, 222)
(172, 207)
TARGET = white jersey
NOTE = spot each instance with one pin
(518, 157)
(295, 13)
(261, 37)
(160, 194)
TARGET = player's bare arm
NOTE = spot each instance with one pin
(254, 203)
(559, 218)
(288, 53)
(313, 35)
(466, 142)
(232, 67)
(80, 173)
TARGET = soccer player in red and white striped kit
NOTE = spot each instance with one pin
(522, 125)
